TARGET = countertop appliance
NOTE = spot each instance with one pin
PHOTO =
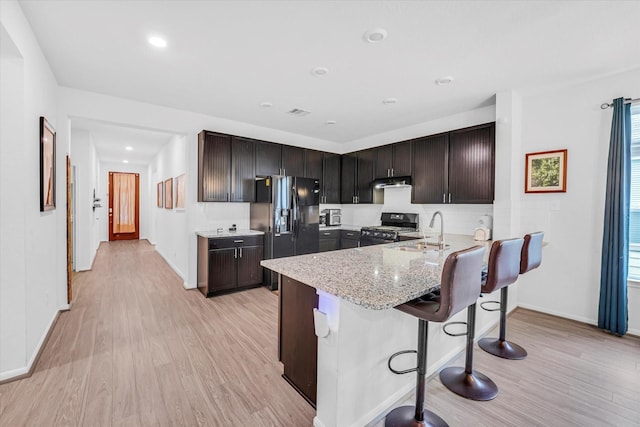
(332, 216)
(392, 225)
(287, 210)
(483, 232)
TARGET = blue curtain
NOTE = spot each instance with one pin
(612, 313)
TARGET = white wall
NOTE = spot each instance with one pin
(170, 225)
(86, 221)
(32, 247)
(568, 282)
(103, 193)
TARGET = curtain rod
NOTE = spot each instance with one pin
(626, 101)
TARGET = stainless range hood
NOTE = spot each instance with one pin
(392, 181)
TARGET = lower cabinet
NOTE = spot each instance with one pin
(329, 240)
(229, 264)
(349, 239)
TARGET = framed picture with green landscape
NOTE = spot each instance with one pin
(546, 172)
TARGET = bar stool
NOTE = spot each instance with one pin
(531, 252)
(503, 270)
(459, 287)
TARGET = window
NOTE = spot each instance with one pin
(634, 208)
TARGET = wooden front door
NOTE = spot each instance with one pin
(124, 206)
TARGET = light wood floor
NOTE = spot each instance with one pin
(137, 349)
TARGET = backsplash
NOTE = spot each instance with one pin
(458, 219)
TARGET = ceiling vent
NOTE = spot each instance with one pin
(298, 112)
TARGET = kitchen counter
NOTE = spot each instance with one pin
(239, 233)
(374, 277)
(345, 227)
(344, 371)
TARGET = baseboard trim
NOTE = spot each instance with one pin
(27, 371)
(559, 314)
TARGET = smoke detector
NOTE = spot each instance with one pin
(298, 112)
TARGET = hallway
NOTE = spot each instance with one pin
(137, 349)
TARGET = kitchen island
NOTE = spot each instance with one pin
(355, 291)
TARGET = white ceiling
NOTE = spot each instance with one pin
(226, 57)
(110, 141)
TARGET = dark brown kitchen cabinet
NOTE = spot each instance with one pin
(472, 164)
(356, 176)
(430, 169)
(243, 175)
(349, 239)
(455, 167)
(292, 161)
(214, 167)
(329, 240)
(229, 264)
(393, 160)
(268, 158)
(330, 186)
(313, 164)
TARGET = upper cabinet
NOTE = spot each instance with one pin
(455, 167)
(472, 164)
(393, 160)
(278, 159)
(268, 158)
(330, 186)
(243, 171)
(357, 173)
(214, 167)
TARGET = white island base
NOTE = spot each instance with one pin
(355, 386)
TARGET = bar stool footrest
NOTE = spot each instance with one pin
(504, 349)
(474, 385)
(482, 306)
(394, 355)
(451, 334)
(404, 416)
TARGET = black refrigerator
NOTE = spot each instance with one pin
(287, 210)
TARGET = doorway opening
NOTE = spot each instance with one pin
(124, 206)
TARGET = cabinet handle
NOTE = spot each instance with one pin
(238, 241)
(444, 200)
(449, 197)
(326, 234)
(393, 173)
(240, 252)
(284, 171)
(388, 172)
(235, 252)
(349, 234)
(358, 243)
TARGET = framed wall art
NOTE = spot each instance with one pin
(180, 191)
(168, 193)
(47, 166)
(546, 172)
(161, 194)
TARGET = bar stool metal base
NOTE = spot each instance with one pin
(474, 385)
(404, 416)
(504, 349)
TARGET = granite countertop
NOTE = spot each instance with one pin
(375, 277)
(213, 234)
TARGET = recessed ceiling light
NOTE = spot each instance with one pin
(376, 35)
(266, 104)
(330, 122)
(157, 41)
(128, 148)
(444, 80)
(389, 101)
(125, 161)
(320, 71)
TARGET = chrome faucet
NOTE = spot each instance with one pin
(441, 237)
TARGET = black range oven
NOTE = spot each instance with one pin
(392, 225)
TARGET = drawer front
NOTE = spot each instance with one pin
(329, 234)
(234, 242)
(350, 235)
